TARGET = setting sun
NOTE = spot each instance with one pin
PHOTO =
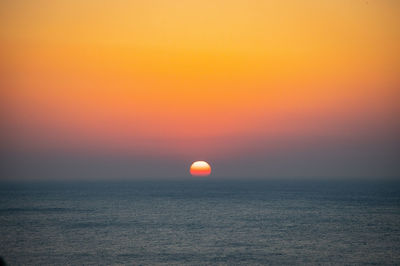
(200, 168)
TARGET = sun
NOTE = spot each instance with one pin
(200, 168)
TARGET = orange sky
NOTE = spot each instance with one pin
(196, 78)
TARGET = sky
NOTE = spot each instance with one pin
(141, 89)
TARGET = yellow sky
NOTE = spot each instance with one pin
(180, 69)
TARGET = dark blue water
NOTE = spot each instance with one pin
(200, 222)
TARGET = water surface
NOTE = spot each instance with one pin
(200, 222)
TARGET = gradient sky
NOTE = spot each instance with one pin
(141, 89)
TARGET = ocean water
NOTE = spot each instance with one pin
(200, 222)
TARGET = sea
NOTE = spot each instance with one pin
(200, 222)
